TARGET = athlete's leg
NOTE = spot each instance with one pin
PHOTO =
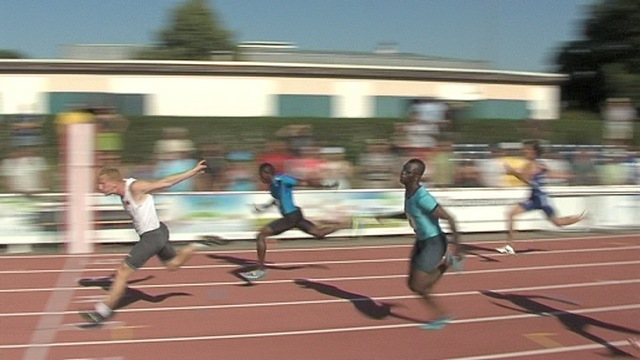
(421, 283)
(566, 220)
(515, 211)
(321, 232)
(118, 286)
(261, 245)
(181, 257)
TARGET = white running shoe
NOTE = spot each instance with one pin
(506, 250)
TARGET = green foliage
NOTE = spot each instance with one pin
(11, 54)
(193, 33)
(606, 62)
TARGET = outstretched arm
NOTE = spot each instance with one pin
(146, 187)
(523, 174)
(262, 207)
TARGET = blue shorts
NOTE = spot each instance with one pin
(428, 253)
(538, 203)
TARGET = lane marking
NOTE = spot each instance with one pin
(371, 277)
(50, 319)
(327, 262)
(308, 332)
(631, 237)
(618, 343)
(333, 301)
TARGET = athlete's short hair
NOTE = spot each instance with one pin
(535, 145)
(420, 165)
(110, 173)
(267, 167)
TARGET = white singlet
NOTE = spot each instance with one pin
(144, 215)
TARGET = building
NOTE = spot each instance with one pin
(275, 79)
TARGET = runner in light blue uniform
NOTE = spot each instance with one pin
(533, 174)
(428, 261)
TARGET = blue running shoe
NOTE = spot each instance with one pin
(437, 324)
(254, 275)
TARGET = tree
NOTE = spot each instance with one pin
(606, 62)
(10, 54)
(194, 32)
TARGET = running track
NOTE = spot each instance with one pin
(562, 298)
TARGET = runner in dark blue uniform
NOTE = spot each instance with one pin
(533, 173)
(281, 189)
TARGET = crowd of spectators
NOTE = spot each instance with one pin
(429, 135)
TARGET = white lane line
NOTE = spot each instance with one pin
(50, 320)
(333, 301)
(564, 349)
(372, 277)
(632, 237)
(310, 331)
(327, 262)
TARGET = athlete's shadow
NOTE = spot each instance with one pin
(576, 323)
(246, 265)
(131, 295)
(364, 304)
(478, 251)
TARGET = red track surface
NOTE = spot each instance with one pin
(568, 298)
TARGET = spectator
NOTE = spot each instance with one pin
(584, 168)
(26, 130)
(336, 169)
(110, 127)
(377, 165)
(306, 166)
(277, 154)
(213, 177)
(560, 170)
(240, 172)
(297, 137)
(611, 171)
(25, 171)
(443, 164)
(619, 115)
(420, 136)
(492, 169)
(467, 174)
(176, 156)
(173, 139)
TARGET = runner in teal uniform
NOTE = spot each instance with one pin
(428, 260)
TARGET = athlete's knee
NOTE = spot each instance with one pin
(264, 233)
(419, 287)
(171, 266)
(124, 271)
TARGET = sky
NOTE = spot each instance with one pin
(519, 35)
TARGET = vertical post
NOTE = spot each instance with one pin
(80, 181)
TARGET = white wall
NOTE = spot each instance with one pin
(22, 94)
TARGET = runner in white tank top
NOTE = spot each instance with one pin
(143, 214)
(154, 236)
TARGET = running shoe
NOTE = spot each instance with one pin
(254, 275)
(456, 262)
(506, 250)
(437, 324)
(93, 317)
(211, 241)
